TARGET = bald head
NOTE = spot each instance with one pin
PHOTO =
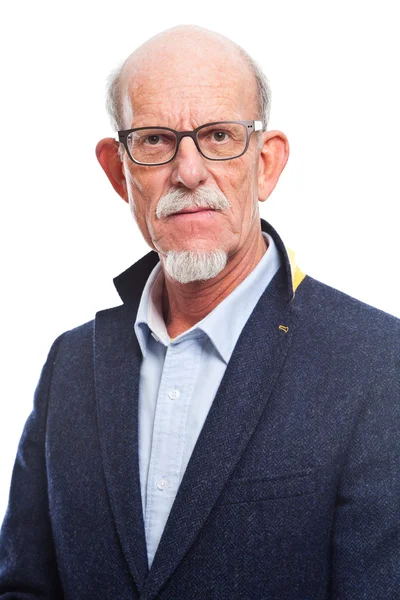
(185, 57)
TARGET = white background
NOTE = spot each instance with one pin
(334, 71)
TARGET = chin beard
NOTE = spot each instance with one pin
(186, 266)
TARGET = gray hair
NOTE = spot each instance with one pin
(114, 92)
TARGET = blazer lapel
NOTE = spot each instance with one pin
(117, 365)
(117, 368)
(241, 399)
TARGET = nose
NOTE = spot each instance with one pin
(189, 166)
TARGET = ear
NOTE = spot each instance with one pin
(108, 157)
(273, 158)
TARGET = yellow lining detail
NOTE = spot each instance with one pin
(297, 273)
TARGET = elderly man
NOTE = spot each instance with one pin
(232, 430)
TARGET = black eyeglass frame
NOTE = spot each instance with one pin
(251, 126)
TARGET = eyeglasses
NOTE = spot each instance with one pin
(222, 140)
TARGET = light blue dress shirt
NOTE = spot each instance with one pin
(179, 379)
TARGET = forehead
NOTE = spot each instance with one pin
(170, 84)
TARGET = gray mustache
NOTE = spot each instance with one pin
(178, 200)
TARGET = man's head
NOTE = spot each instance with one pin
(182, 79)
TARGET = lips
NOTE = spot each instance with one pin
(192, 210)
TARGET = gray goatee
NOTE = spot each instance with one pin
(186, 266)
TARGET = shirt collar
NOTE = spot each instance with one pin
(149, 318)
(235, 309)
(130, 283)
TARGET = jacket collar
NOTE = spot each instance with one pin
(134, 278)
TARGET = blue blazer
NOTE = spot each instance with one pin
(293, 488)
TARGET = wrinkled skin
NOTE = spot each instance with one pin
(183, 78)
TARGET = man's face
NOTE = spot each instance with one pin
(184, 95)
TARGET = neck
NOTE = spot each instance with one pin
(184, 305)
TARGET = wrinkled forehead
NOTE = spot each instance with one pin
(196, 80)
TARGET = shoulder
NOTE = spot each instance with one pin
(327, 305)
(334, 324)
(75, 346)
(80, 336)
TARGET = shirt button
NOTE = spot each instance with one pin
(174, 394)
(162, 484)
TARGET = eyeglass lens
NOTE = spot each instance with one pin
(218, 141)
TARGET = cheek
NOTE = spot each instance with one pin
(135, 196)
(145, 186)
(238, 182)
(140, 191)
(147, 182)
(139, 203)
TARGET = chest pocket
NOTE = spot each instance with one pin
(274, 488)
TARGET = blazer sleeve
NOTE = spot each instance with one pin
(28, 566)
(366, 536)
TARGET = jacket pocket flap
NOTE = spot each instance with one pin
(253, 490)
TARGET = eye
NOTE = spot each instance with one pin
(220, 136)
(152, 139)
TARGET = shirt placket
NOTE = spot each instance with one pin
(175, 392)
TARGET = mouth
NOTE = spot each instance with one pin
(190, 211)
(193, 212)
